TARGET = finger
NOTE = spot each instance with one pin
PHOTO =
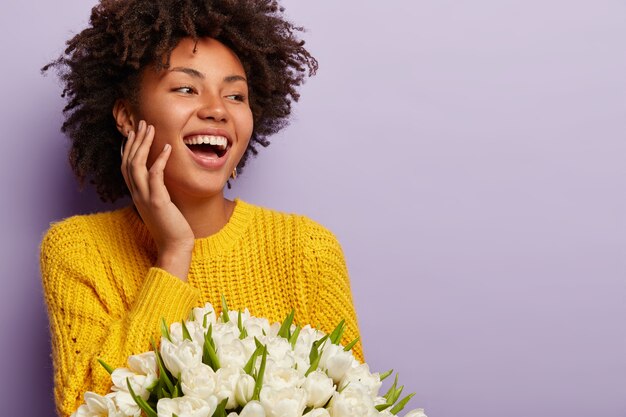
(132, 149)
(124, 165)
(139, 170)
(141, 155)
(158, 190)
(139, 136)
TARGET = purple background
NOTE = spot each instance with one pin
(468, 155)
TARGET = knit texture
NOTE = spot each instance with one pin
(105, 300)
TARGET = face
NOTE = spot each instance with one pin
(199, 105)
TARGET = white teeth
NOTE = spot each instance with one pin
(219, 141)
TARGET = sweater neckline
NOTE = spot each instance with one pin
(206, 246)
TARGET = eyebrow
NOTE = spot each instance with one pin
(197, 74)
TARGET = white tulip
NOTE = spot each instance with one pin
(280, 377)
(196, 331)
(224, 333)
(142, 374)
(336, 361)
(199, 381)
(361, 373)
(318, 412)
(256, 327)
(199, 314)
(253, 409)
(249, 346)
(186, 407)
(286, 402)
(319, 388)
(302, 365)
(286, 361)
(143, 363)
(126, 404)
(233, 315)
(232, 353)
(244, 390)
(96, 406)
(273, 330)
(181, 356)
(227, 379)
(278, 347)
(353, 401)
(378, 400)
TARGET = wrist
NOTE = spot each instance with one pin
(175, 262)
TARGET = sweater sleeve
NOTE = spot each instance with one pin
(329, 293)
(89, 320)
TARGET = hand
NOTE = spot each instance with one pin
(170, 230)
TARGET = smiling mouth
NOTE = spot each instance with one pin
(207, 146)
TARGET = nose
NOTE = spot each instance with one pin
(212, 108)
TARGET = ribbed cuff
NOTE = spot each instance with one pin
(162, 296)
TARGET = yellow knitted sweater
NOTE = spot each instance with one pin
(105, 300)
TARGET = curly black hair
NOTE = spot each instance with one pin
(103, 62)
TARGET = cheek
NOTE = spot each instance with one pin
(246, 124)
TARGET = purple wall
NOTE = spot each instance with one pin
(468, 155)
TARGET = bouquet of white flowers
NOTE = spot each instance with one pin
(240, 365)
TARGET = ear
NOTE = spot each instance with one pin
(124, 117)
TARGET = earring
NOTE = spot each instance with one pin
(234, 174)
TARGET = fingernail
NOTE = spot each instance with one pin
(141, 124)
(167, 147)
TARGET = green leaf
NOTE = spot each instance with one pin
(400, 406)
(294, 337)
(141, 402)
(163, 373)
(249, 367)
(220, 411)
(165, 332)
(340, 390)
(285, 328)
(315, 363)
(386, 374)
(335, 336)
(391, 390)
(350, 345)
(315, 348)
(258, 344)
(108, 368)
(225, 317)
(204, 319)
(209, 356)
(243, 333)
(381, 407)
(186, 335)
(259, 379)
(157, 390)
(396, 394)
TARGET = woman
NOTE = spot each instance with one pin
(178, 94)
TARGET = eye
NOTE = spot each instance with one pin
(185, 90)
(236, 97)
